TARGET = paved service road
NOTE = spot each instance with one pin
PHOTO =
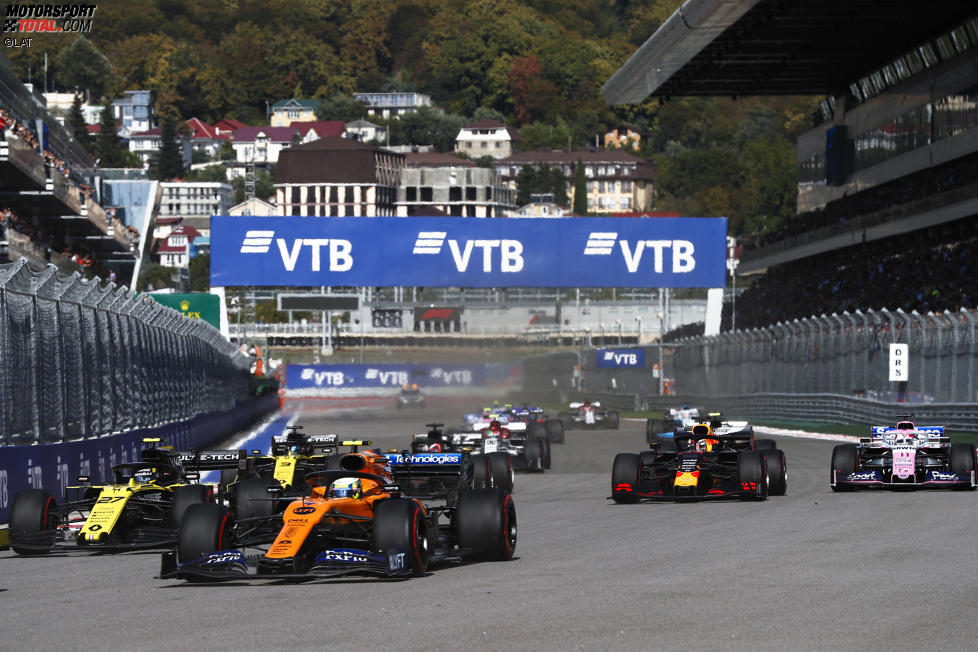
(813, 569)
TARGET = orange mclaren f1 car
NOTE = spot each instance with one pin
(364, 517)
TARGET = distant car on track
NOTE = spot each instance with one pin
(905, 456)
(589, 414)
(410, 396)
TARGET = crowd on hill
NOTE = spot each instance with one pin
(932, 270)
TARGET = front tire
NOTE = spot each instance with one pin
(626, 473)
(545, 445)
(187, 495)
(206, 528)
(962, 458)
(485, 521)
(845, 460)
(752, 470)
(555, 430)
(400, 526)
(612, 421)
(31, 512)
(777, 471)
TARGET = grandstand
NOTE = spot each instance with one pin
(887, 198)
(52, 208)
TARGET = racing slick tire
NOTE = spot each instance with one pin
(485, 521)
(545, 446)
(652, 428)
(533, 451)
(665, 444)
(962, 458)
(611, 423)
(765, 445)
(31, 512)
(566, 419)
(555, 430)
(501, 470)
(400, 525)
(252, 499)
(777, 471)
(206, 528)
(625, 472)
(752, 468)
(187, 495)
(845, 460)
(481, 472)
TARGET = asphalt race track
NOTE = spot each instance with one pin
(870, 570)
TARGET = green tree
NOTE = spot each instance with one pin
(580, 190)
(543, 135)
(108, 148)
(170, 164)
(76, 123)
(154, 277)
(427, 126)
(341, 107)
(543, 180)
(200, 273)
(81, 65)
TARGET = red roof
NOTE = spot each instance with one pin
(322, 128)
(200, 129)
(275, 134)
(227, 125)
(188, 231)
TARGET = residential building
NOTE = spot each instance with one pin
(487, 138)
(144, 144)
(392, 104)
(227, 126)
(174, 251)
(316, 129)
(262, 144)
(205, 138)
(337, 177)
(366, 131)
(542, 205)
(191, 203)
(284, 112)
(616, 181)
(135, 111)
(451, 186)
(253, 206)
(624, 137)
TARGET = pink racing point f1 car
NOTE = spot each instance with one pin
(906, 456)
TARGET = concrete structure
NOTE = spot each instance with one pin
(392, 104)
(487, 138)
(433, 184)
(616, 181)
(284, 112)
(337, 177)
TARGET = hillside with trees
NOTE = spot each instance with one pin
(536, 64)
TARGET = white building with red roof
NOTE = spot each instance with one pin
(262, 144)
(316, 129)
(174, 251)
(487, 137)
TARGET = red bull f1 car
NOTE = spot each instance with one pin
(703, 465)
(906, 456)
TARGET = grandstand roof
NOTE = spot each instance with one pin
(776, 47)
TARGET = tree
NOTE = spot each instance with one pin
(171, 155)
(82, 66)
(580, 190)
(76, 122)
(108, 148)
(341, 107)
(199, 271)
(543, 180)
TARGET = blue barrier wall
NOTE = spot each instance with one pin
(55, 466)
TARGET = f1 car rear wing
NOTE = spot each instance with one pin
(313, 444)
(934, 434)
(429, 475)
(212, 460)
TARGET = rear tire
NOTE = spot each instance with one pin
(845, 460)
(228, 476)
(30, 513)
(485, 520)
(752, 467)
(652, 428)
(501, 470)
(533, 452)
(252, 499)
(765, 445)
(400, 526)
(962, 457)
(481, 472)
(777, 472)
(545, 444)
(612, 422)
(626, 471)
(206, 528)
(555, 430)
(187, 495)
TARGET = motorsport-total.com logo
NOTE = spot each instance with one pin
(25, 18)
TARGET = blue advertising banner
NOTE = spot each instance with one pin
(615, 358)
(353, 376)
(676, 252)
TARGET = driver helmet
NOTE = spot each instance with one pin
(347, 488)
(144, 476)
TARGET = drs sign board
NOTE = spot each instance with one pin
(675, 252)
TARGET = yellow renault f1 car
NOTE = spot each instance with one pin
(141, 508)
(359, 518)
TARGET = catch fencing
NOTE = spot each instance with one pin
(80, 359)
